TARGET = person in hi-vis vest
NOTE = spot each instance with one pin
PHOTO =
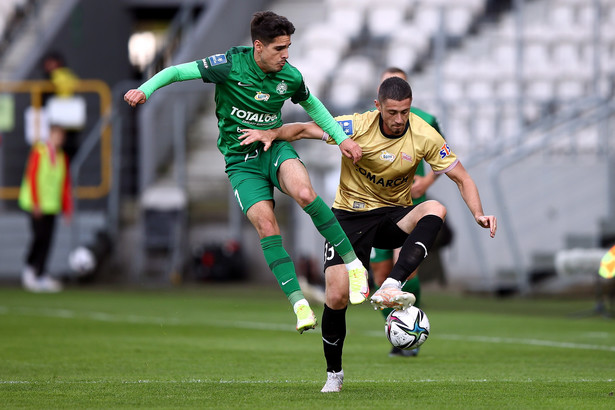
(45, 192)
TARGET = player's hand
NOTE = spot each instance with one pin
(488, 221)
(351, 150)
(265, 136)
(134, 97)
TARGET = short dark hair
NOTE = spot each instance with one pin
(266, 26)
(394, 88)
(394, 70)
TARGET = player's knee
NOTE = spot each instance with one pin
(305, 196)
(336, 298)
(435, 208)
(266, 227)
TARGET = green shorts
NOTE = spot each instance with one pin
(379, 255)
(254, 175)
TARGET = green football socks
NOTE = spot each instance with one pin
(330, 228)
(282, 267)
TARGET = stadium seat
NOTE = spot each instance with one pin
(452, 90)
(569, 89)
(479, 89)
(483, 125)
(562, 15)
(384, 17)
(458, 20)
(358, 69)
(536, 58)
(586, 15)
(344, 95)
(347, 16)
(323, 44)
(540, 89)
(406, 46)
(313, 74)
(354, 78)
(428, 19)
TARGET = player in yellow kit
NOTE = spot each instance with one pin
(373, 202)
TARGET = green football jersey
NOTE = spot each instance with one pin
(246, 97)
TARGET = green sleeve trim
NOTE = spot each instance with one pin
(321, 116)
(181, 72)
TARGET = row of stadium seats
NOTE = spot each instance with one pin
(383, 17)
(559, 61)
(324, 45)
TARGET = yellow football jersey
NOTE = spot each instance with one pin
(384, 175)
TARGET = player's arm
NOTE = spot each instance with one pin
(321, 116)
(469, 193)
(181, 72)
(296, 131)
(287, 132)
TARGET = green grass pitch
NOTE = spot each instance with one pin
(235, 347)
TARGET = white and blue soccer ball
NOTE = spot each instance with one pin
(407, 328)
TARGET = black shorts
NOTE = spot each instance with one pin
(367, 230)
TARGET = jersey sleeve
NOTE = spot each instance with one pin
(181, 72)
(317, 111)
(349, 125)
(302, 93)
(215, 68)
(439, 155)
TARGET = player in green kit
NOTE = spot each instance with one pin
(252, 84)
(373, 203)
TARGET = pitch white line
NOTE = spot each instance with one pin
(530, 342)
(233, 381)
(164, 321)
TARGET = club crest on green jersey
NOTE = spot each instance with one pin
(260, 96)
(282, 88)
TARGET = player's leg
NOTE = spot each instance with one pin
(34, 262)
(337, 291)
(421, 224)
(254, 194)
(263, 219)
(334, 325)
(46, 282)
(390, 236)
(381, 263)
(294, 180)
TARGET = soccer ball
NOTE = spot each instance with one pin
(407, 328)
(81, 260)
